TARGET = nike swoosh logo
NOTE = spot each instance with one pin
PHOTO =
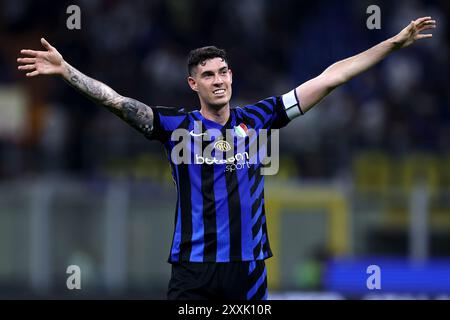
(196, 134)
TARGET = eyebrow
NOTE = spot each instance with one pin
(209, 72)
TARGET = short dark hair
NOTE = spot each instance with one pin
(200, 55)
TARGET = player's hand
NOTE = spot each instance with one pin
(42, 62)
(414, 32)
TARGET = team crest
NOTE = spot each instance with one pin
(222, 145)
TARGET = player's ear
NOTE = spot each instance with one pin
(192, 83)
(231, 75)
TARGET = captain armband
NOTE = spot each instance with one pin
(291, 104)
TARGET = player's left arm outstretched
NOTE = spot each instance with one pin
(314, 90)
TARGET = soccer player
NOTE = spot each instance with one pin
(220, 236)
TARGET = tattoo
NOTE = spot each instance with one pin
(135, 113)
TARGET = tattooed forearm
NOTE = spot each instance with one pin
(135, 113)
(96, 90)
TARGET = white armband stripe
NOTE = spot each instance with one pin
(291, 104)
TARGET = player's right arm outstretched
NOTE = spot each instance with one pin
(51, 62)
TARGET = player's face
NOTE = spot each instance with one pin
(212, 81)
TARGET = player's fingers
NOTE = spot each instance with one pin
(430, 21)
(28, 52)
(427, 27)
(426, 23)
(26, 60)
(420, 20)
(27, 67)
(423, 36)
(32, 74)
(46, 44)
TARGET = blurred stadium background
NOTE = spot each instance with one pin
(364, 177)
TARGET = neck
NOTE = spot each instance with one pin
(217, 115)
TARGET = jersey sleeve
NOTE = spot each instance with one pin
(165, 121)
(274, 112)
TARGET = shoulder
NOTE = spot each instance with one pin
(266, 105)
(170, 111)
(260, 110)
(170, 118)
(271, 112)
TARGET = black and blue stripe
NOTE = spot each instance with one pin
(220, 214)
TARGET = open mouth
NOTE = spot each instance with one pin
(219, 92)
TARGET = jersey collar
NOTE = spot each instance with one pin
(209, 124)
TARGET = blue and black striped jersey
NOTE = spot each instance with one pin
(220, 214)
